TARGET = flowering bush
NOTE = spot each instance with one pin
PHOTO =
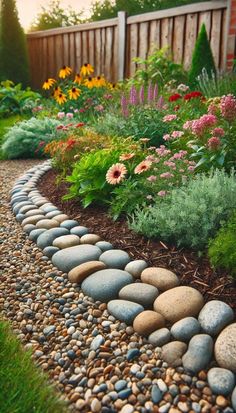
(191, 214)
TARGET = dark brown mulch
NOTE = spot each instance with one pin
(191, 269)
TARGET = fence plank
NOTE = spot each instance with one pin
(115, 65)
(78, 51)
(154, 41)
(133, 47)
(58, 52)
(84, 48)
(166, 32)
(91, 37)
(108, 57)
(178, 38)
(190, 38)
(215, 35)
(72, 50)
(103, 50)
(205, 17)
(65, 49)
(98, 59)
(143, 42)
(121, 43)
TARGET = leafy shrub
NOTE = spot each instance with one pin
(14, 100)
(192, 214)
(222, 251)
(202, 57)
(25, 138)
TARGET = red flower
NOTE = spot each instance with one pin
(80, 124)
(174, 97)
(60, 127)
(192, 95)
(70, 143)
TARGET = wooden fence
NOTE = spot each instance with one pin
(111, 45)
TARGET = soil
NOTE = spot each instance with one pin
(192, 270)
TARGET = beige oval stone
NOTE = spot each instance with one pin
(147, 322)
(161, 278)
(66, 241)
(82, 271)
(173, 352)
(33, 212)
(32, 220)
(47, 223)
(60, 218)
(90, 239)
(225, 348)
(178, 303)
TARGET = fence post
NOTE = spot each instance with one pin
(121, 44)
(230, 37)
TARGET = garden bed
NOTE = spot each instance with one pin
(191, 269)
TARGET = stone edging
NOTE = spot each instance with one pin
(106, 274)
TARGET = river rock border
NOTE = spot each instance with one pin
(173, 318)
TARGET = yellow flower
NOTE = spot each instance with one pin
(89, 82)
(86, 69)
(61, 98)
(99, 81)
(57, 91)
(65, 71)
(112, 86)
(48, 83)
(74, 93)
(78, 79)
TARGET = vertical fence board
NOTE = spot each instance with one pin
(215, 38)
(51, 57)
(133, 47)
(178, 38)
(205, 17)
(114, 77)
(66, 49)
(223, 39)
(154, 40)
(58, 52)
(108, 57)
(98, 59)
(84, 47)
(72, 50)
(44, 58)
(166, 32)
(103, 50)
(91, 38)
(78, 51)
(190, 38)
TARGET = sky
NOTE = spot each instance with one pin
(28, 9)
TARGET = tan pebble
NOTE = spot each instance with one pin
(221, 401)
(47, 223)
(174, 410)
(207, 391)
(96, 406)
(80, 404)
(82, 271)
(202, 375)
(108, 369)
(97, 313)
(148, 321)
(102, 306)
(118, 404)
(161, 278)
(60, 218)
(89, 239)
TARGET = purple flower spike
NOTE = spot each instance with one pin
(155, 92)
(150, 93)
(124, 106)
(141, 94)
(133, 96)
(160, 102)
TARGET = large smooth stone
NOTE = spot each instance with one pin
(161, 278)
(33, 212)
(140, 293)
(28, 228)
(233, 399)
(80, 231)
(46, 239)
(221, 381)
(20, 218)
(33, 236)
(68, 223)
(60, 218)
(32, 220)
(178, 303)
(214, 316)
(105, 285)
(26, 208)
(225, 348)
(185, 329)
(173, 352)
(47, 223)
(104, 245)
(147, 322)
(136, 267)
(50, 251)
(66, 241)
(69, 258)
(199, 353)
(124, 310)
(159, 337)
(48, 208)
(115, 258)
(82, 271)
(53, 214)
(90, 239)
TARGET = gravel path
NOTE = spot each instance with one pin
(98, 363)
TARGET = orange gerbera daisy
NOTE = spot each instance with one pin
(74, 93)
(116, 173)
(126, 156)
(142, 167)
(78, 79)
(86, 69)
(65, 71)
(48, 83)
(61, 98)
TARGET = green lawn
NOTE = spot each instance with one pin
(23, 387)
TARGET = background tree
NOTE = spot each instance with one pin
(54, 16)
(202, 57)
(13, 49)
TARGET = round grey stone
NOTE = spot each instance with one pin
(79, 230)
(69, 258)
(69, 224)
(46, 239)
(17, 207)
(199, 353)
(214, 316)
(35, 233)
(136, 267)
(50, 251)
(144, 294)
(28, 228)
(185, 329)
(104, 285)
(97, 342)
(20, 217)
(53, 214)
(159, 337)
(115, 258)
(125, 311)
(225, 348)
(48, 208)
(221, 381)
(104, 245)
(233, 399)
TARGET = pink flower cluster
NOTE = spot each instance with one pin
(200, 125)
(176, 134)
(228, 107)
(214, 143)
(218, 132)
(169, 118)
(162, 151)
